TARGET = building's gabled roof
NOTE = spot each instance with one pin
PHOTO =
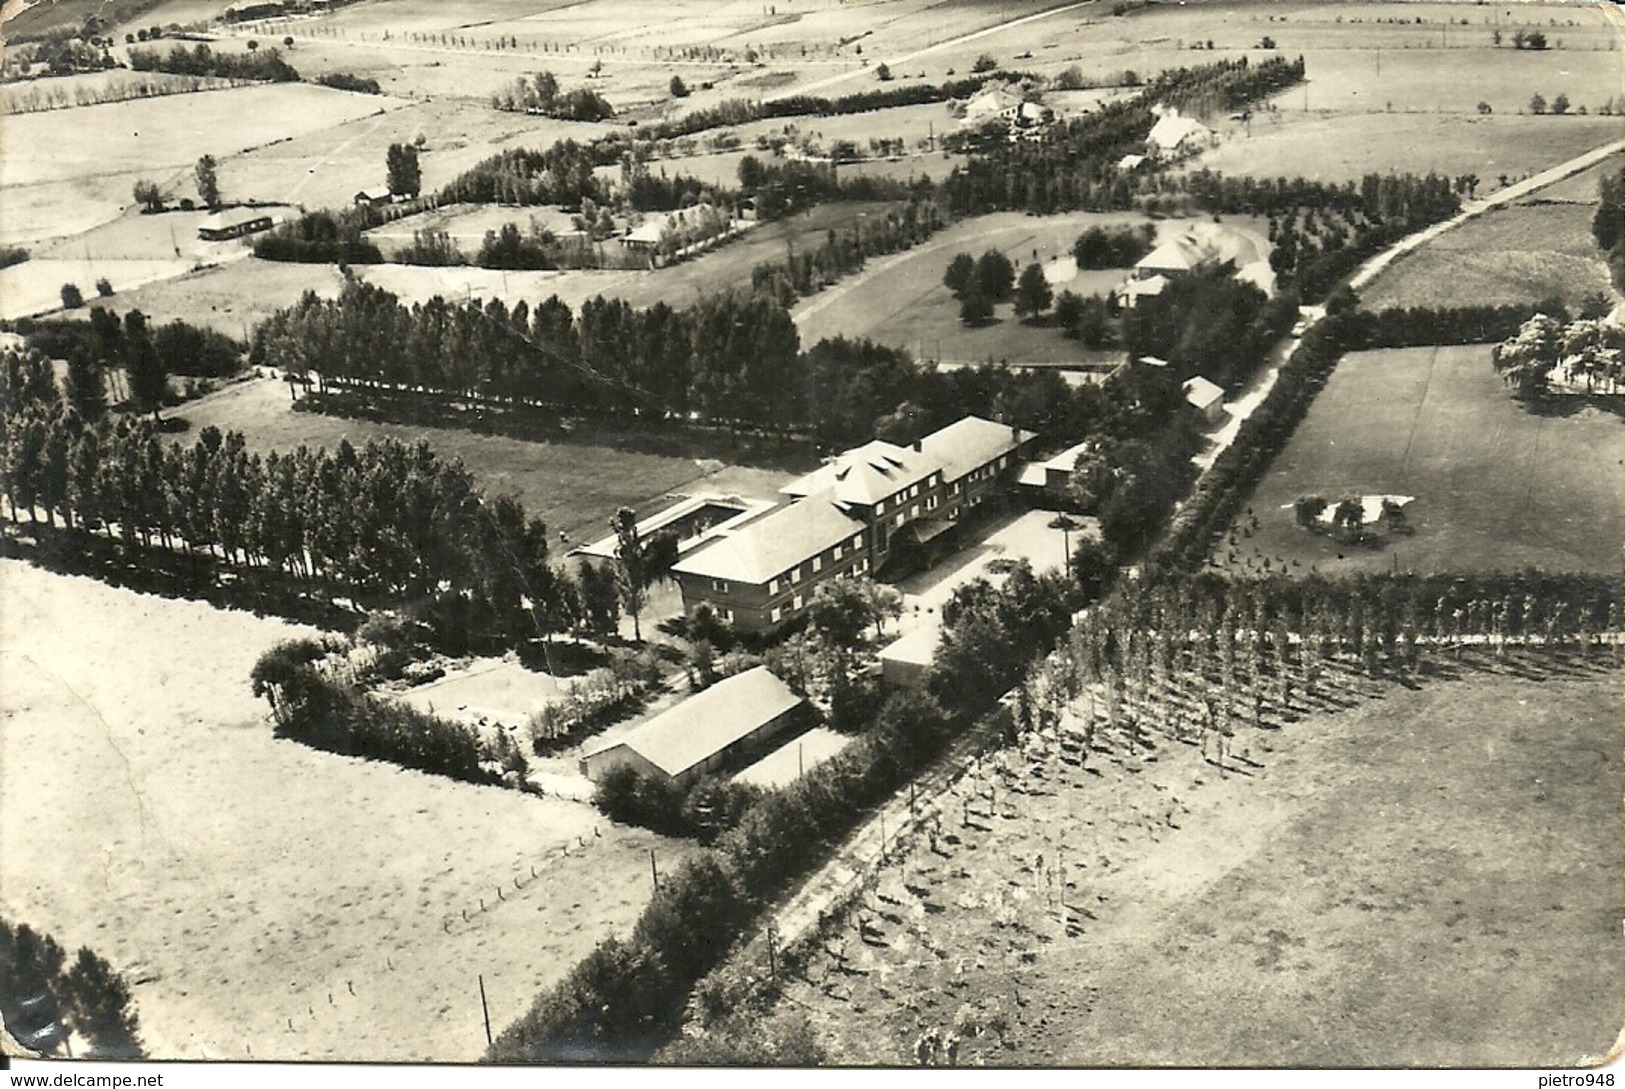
(1172, 130)
(1202, 393)
(1176, 255)
(970, 443)
(771, 545)
(1130, 162)
(231, 217)
(867, 474)
(918, 647)
(705, 724)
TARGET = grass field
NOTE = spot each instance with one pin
(68, 170)
(1428, 879)
(574, 484)
(1344, 146)
(1497, 487)
(268, 901)
(1518, 254)
(901, 300)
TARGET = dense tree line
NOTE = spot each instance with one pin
(540, 94)
(1113, 247)
(710, 806)
(312, 703)
(202, 61)
(386, 524)
(731, 359)
(1608, 225)
(845, 251)
(319, 238)
(45, 998)
(344, 81)
(1073, 166)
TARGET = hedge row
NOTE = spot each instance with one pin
(313, 707)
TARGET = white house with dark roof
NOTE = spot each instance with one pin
(725, 725)
(846, 518)
(1175, 136)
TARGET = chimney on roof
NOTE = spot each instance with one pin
(919, 446)
(1015, 433)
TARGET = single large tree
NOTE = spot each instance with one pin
(1033, 292)
(995, 275)
(961, 270)
(208, 181)
(148, 375)
(631, 570)
(405, 176)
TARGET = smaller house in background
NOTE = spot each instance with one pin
(993, 102)
(371, 198)
(1175, 136)
(724, 726)
(1206, 397)
(1130, 162)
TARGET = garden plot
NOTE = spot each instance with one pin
(266, 900)
(1498, 486)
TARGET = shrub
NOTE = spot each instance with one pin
(72, 297)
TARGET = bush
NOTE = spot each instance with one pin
(104, 287)
(344, 81)
(12, 255)
(72, 297)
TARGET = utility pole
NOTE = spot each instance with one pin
(654, 872)
(486, 1010)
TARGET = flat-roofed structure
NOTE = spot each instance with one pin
(725, 725)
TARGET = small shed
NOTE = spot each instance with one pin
(905, 662)
(728, 722)
(1206, 397)
(370, 198)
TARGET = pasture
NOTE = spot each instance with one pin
(901, 300)
(573, 483)
(65, 171)
(268, 901)
(1337, 147)
(1498, 486)
(1523, 253)
(1429, 878)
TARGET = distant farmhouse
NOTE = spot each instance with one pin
(734, 719)
(998, 102)
(233, 223)
(848, 518)
(1175, 136)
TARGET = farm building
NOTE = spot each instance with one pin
(1045, 482)
(1205, 397)
(1175, 136)
(233, 223)
(993, 102)
(846, 518)
(733, 719)
(372, 198)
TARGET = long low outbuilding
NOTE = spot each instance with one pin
(723, 726)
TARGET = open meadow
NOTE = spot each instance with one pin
(901, 300)
(1427, 878)
(65, 171)
(1519, 254)
(573, 483)
(1497, 485)
(264, 899)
